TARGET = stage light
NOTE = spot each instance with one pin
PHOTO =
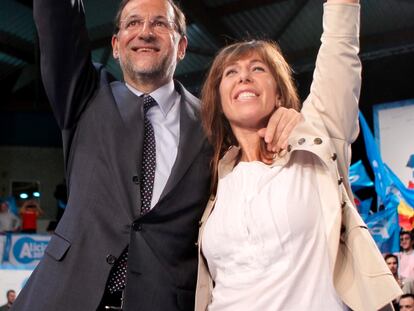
(23, 196)
(36, 194)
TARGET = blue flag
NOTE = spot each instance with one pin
(365, 207)
(399, 188)
(358, 177)
(393, 194)
(382, 179)
(384, 228)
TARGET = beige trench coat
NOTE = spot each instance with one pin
(361, 277)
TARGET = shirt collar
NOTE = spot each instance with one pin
(165, 96)
(228, 161)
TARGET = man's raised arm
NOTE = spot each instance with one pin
(67, 72)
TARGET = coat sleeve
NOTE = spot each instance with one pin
(334, 95)
(68, 74)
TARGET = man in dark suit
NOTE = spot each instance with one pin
(11, 296)
(112, 232)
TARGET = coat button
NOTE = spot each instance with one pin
(135, 179)
(317, 141)
(110, 259)
(334, 156)
(301, 141)
(289, 148)
(340, 180)
(136, 226)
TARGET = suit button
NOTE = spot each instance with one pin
(317, 141)
(334, 156)
(301, 141)
(136, 226)
(289, 148)
(135, 179)
(110, 259)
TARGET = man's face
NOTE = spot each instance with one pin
(405, 242)
(145, 53)
(11, 297)
(407, 304)
(392, 265)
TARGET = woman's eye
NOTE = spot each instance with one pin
(259, 68)
(229, 72)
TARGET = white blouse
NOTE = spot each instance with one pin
(264, 241)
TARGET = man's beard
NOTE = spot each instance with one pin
(158, 71)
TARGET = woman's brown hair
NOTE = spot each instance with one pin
(216, 126)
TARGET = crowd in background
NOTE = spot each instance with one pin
(22, 216)
(401, 265)
(25, 221)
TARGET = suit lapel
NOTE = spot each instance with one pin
(129, 140)
(191, 138)
(128, 104)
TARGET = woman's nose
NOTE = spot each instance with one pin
(244, 76)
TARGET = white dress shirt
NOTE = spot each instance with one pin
(165, 119)
(265, 243)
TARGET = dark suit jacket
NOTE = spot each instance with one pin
(102, 130)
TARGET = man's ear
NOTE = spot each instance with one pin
(114, 42)
(182, 47)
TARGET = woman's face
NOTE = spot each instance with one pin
(248, 92)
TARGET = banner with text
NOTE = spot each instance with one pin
(23, 251)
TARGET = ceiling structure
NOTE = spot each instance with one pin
(387, 51)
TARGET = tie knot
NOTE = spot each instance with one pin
(148, 103)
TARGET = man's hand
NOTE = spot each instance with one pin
(280, 125)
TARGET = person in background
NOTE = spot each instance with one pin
(29, 213)
(407, 302)
(406, 284)
(61, 196)
(9, 222)
(11, 296)
(406, 256)
(280, 231)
